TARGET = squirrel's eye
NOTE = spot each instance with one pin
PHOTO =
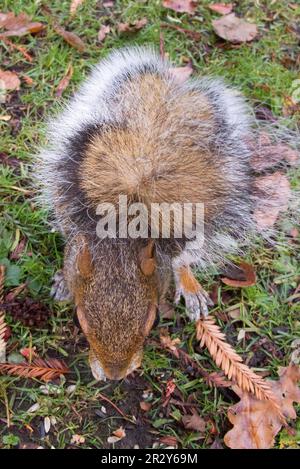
(75, 319)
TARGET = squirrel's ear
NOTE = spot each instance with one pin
(84, 260)
(147, 261)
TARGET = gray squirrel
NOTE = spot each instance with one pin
(133, 130)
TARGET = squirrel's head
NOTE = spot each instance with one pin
(116, 298)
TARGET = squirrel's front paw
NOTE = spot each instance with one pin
(59, 290)
(196, 303)
(196, 298)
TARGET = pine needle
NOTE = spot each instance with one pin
(225, 357)
(2, 317)
(45, 370)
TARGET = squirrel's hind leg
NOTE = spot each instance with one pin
(196, 298)
(59, 290)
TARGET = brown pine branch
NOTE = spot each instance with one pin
(225, 357)
(45, 370)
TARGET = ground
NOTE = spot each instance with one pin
(268, 312)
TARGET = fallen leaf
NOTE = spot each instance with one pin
(74, 6)
(222, 8)
(273, 193)
(145, 406)
(19, 249)
(18, 25)
(29, 353)
(103, 31)
(169, 440)
(47, 424)
(267, 154)
(182, 74)
(9, 81)
(63, 84)
(194, 422)
(166, 340)
(170, 388)
(256, 422)
(250, 277)
(182, 6)
(241, 335)
(28, 80)
(132, 27)
(234, 29)
(70, 38)
(234, 313)
(118, 435)
(34, 408)
(5, 117)
(77, 440)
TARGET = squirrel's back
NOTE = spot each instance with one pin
(132, 129)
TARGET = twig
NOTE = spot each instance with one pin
(106, 399)
(193, 34)
(212, 379)
(18, 48)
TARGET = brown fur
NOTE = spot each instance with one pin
(116, 300)
(155, 157)
(187, 280)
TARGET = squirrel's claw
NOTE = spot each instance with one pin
(196, 303)
(196, 298)
(59, 290)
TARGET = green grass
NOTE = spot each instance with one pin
(270, 318)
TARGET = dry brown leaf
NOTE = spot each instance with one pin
(182, 74)
(274, 193)
(77, 440)
(145, 406)
(182, 6)
(63, 84)
(266, 154)
(70, 38)
(169, 440)
(18, 250)
(167, 342)
(255, 422)
(9, 81)
(250, 277)
(74, 6)
(234, 29)
(225, 357)
(132, 27)
(18, 25)
(194, 422)
(118, 435)
(103, 31)
(45, 370)
(221, 8)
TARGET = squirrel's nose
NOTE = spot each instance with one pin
(116, 372)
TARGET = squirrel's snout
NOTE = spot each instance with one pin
(114, 372)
